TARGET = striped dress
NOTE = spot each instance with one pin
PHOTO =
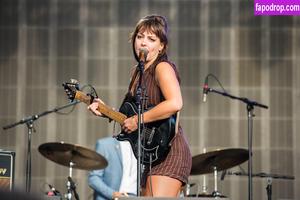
(179, 160)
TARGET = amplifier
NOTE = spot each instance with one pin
(7, 169)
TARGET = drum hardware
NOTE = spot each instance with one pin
(51, 190)
(72, 156)
(250, 105)
(29, 121)
(71, 186)
(269, 188)
(216, 193)
(218, 160)
(185, 192)
(269, 177)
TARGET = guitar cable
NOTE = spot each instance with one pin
(150, 173)
(66, 113)
(92, 91)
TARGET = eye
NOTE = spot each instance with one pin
(152, 39)
(139, 36)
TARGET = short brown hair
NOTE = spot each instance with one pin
(156, 24)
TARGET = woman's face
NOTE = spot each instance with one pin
(148, 40)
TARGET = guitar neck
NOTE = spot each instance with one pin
(104, 109)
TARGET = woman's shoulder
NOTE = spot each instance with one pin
(165, 66)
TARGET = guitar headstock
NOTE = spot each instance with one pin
(71, 88)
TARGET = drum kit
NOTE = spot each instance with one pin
(222, 160)
(72, 156)
(78, 157)
(212, 162)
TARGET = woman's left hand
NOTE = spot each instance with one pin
(130, 124)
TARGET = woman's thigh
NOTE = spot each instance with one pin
(162, 186)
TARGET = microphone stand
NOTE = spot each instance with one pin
(29, 122)
(139, 100)
(250, 107)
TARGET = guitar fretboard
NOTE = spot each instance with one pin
(104, 109)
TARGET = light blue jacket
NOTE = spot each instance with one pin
(108, 180)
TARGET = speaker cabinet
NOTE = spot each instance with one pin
(7, 169)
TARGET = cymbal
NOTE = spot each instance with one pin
(81, 157)
(221, 159)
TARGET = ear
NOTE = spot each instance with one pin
(161, 47)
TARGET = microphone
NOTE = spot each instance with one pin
(143, 52)
(205, 89)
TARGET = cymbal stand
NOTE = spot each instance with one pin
(204, 186)
(269, 188)
(69, 189)
(187, 189)
(216, 193)
(71, 186)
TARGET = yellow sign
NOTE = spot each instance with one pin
(3, 171)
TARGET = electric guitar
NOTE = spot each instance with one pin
(155, 136)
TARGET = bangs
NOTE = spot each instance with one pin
(153, 27)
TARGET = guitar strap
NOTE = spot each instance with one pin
(135, 73)
(177, 123)
(176, 127)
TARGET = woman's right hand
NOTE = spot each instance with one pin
(94, 106)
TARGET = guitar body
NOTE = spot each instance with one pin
(155, 136)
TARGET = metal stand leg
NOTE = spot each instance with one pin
(69, 189)
(269, 189)
(28, 161)
(216, 193)
(204, 186)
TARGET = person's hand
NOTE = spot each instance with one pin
(119, 194)
(94, 106)
(130, 124)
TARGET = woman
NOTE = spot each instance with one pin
(163, 89)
